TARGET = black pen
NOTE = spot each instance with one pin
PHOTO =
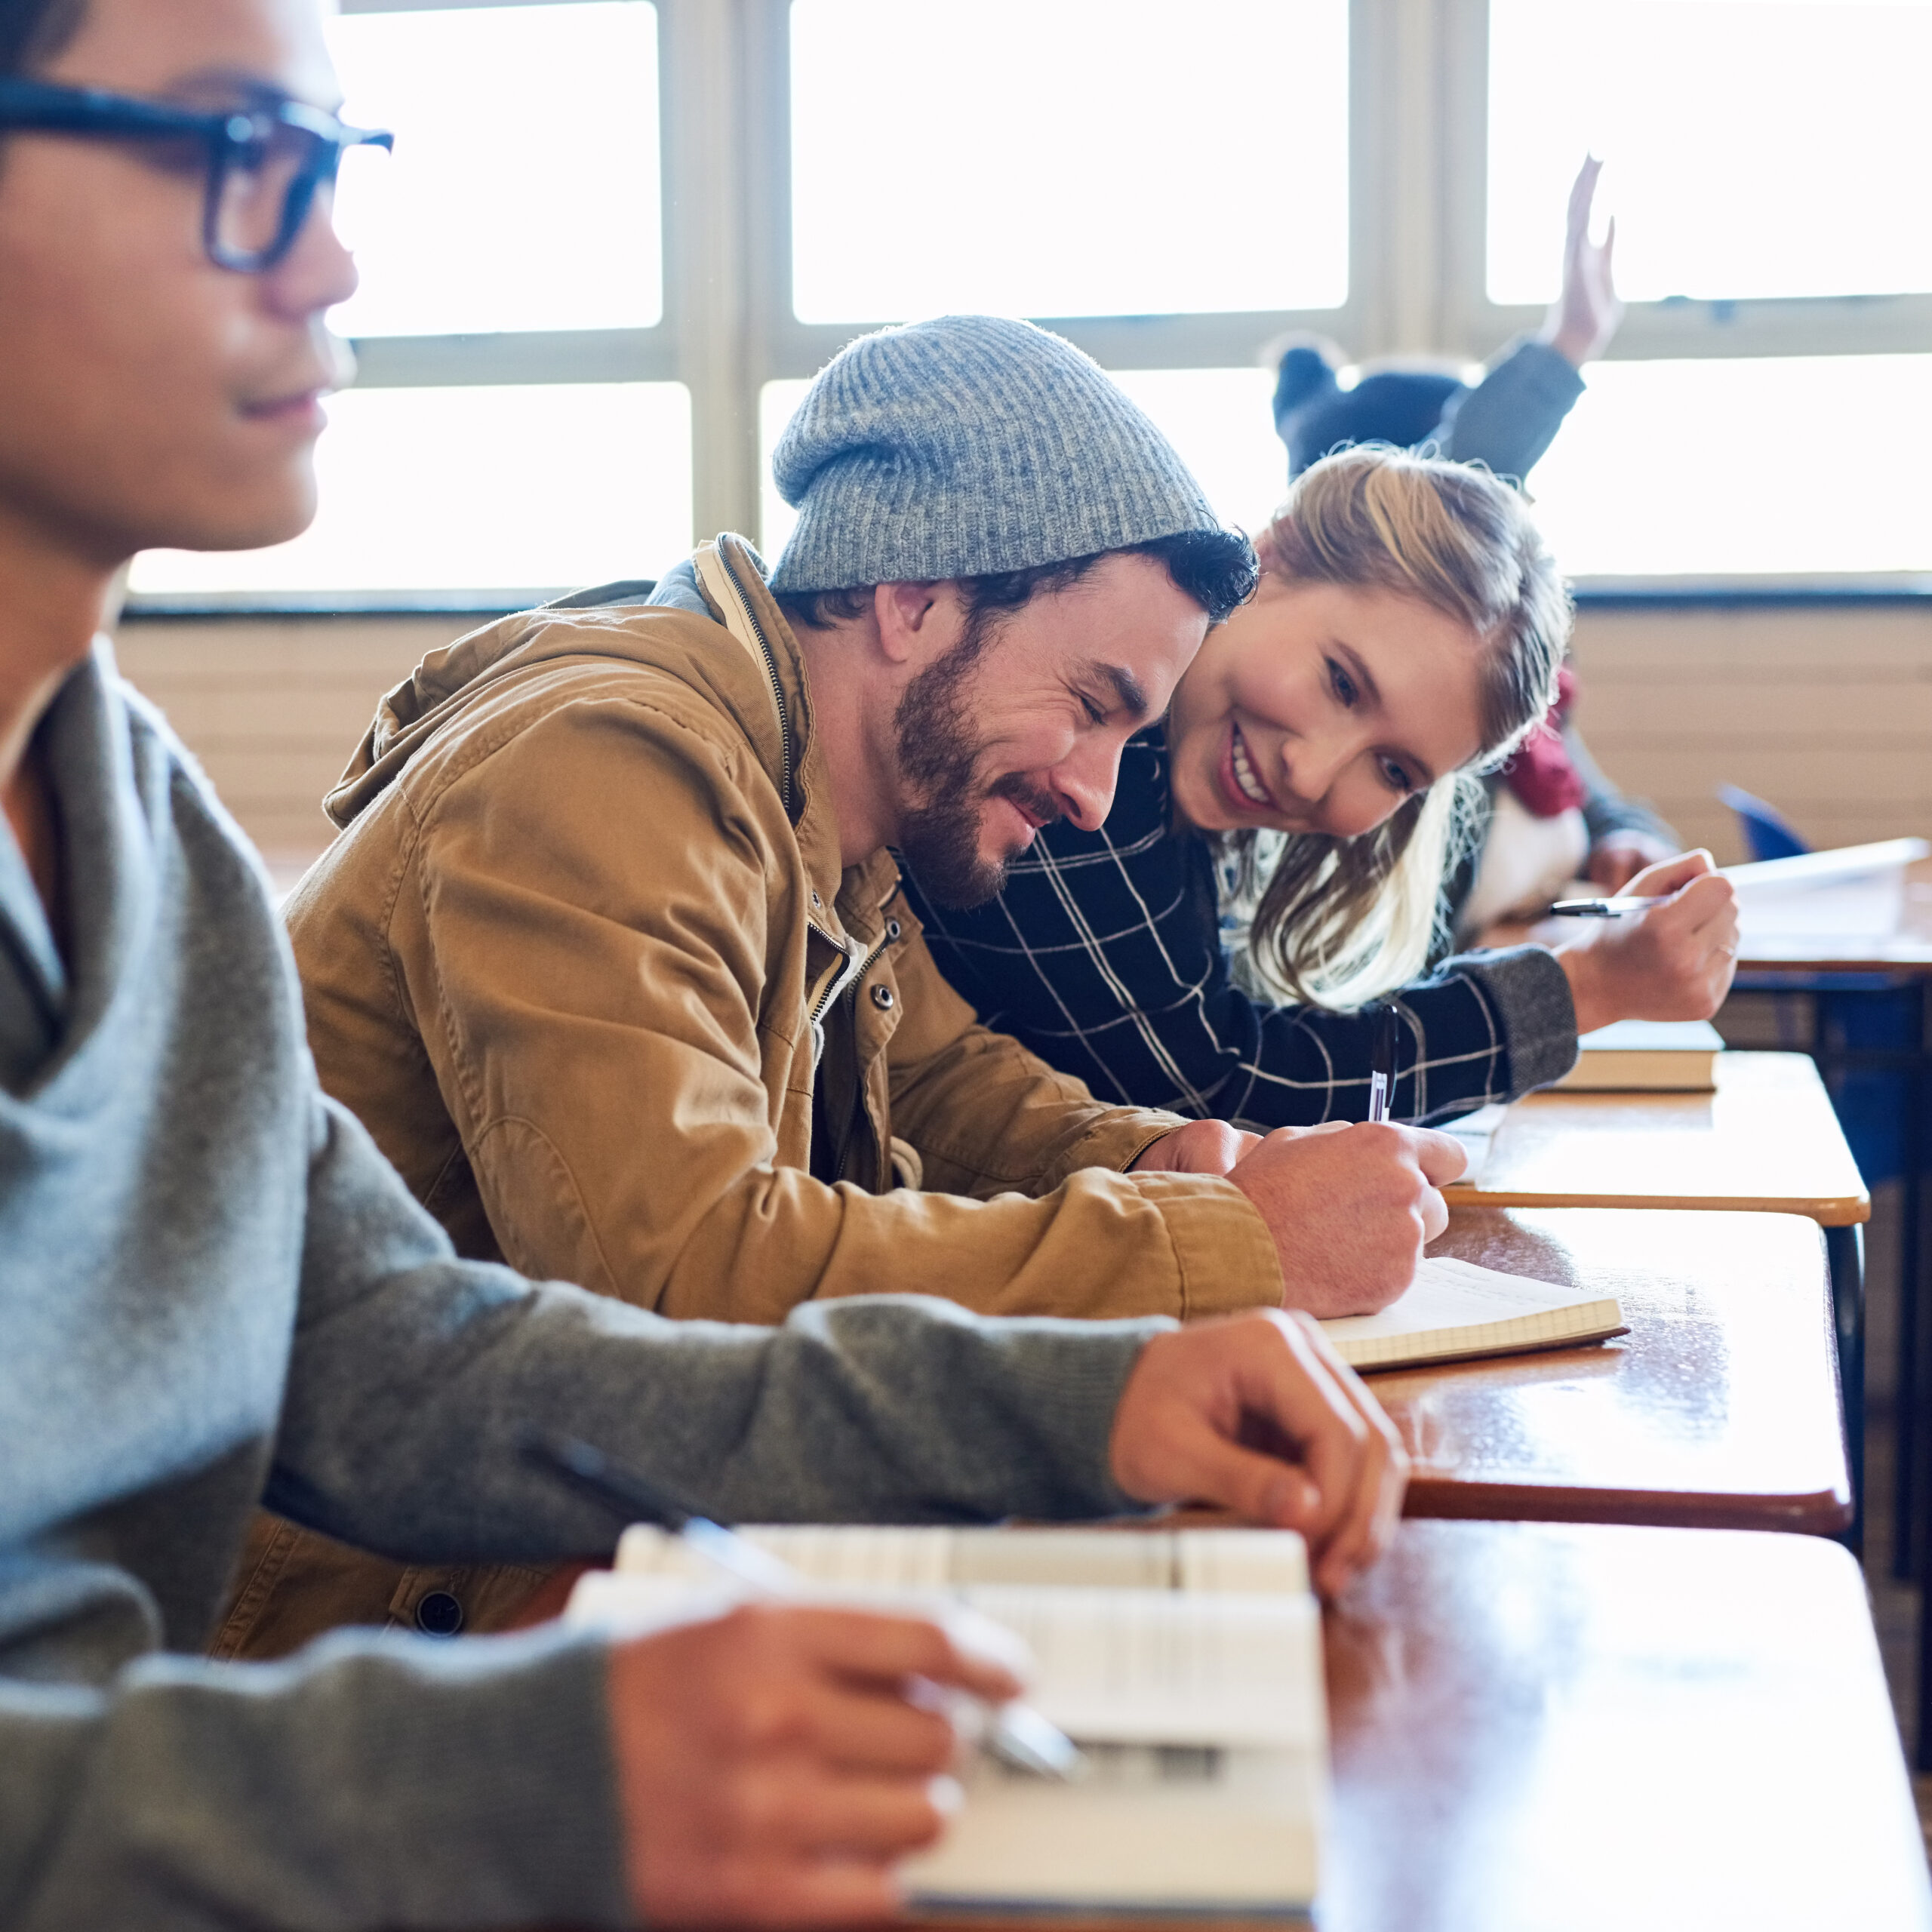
(1015, 1734)
(1602, 909)
(1382, 1077)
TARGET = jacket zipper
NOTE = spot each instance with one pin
(777, 687)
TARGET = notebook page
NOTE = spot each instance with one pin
(1141, 1667)
(1456, 1308)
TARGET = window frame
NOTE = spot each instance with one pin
(1418, 183)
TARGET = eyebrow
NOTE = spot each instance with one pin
(1128, 695)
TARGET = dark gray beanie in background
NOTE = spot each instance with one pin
(966, 446)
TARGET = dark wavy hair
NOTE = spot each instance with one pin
(32, 32)
(1216, 568)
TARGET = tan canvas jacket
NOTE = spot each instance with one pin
(580, 952)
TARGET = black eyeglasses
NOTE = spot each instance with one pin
(265, 163)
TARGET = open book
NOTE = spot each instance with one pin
(1454, 1310)
(1646, 1056)
(1186, 1665)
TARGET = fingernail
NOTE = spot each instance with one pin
(947, 1795)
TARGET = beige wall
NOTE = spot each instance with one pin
(1826, 711)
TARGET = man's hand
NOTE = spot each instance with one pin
(1617, 857)
(1351, 1208)
(1257, 1413)
(1200, 1147)
(1586, 315)
(772, 1765)
(1675, 963)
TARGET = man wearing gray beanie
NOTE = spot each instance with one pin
(612, 959)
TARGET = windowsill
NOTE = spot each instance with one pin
(1604, 593)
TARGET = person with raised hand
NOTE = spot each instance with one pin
(212, 1286)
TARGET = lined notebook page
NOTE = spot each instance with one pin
(1138, 1667)
(1455, 1310)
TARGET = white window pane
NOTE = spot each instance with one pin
(547, 486)
(1221, 425)
(523, 193)
(1067, 157)
(1713, 468)
(1218, 420)
(1751, 149)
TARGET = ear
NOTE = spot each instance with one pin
(909, 618)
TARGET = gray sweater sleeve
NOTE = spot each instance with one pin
(1512, 416)
(378, 1780)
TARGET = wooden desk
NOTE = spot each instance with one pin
(1596, 1728)
(1719, 1409)
(1767, 1141)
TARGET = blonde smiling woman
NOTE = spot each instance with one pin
(1275, 858)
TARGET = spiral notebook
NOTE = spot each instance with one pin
(1455, 1310)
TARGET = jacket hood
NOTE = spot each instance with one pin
(615, 621)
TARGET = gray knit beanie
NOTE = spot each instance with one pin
(965, 446)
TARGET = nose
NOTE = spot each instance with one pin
(1083, 783)
(317, 272)
(1310, 766)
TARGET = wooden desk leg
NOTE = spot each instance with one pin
(1844, 1247)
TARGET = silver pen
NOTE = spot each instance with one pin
(1014, 1734)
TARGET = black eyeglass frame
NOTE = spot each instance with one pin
(228, 134)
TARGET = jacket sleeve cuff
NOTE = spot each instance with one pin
(1529, 991)
(1116, 1140)
(1223, 1252)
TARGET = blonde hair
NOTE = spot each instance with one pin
(1335, 922)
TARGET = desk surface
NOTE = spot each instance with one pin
(1601, 1728)
(1907, 948)
(1766, 1141)
(1719, 1410)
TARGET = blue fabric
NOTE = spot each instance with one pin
(967, 446)
(1104, 954)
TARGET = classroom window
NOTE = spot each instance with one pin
(1084, 158)
(1728, 468)
(1752, 150)
(523, 192)
(531, 488)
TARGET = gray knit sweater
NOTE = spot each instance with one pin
(212, 1288)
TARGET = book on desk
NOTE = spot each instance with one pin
(1186, 1665)
(1646, 1056)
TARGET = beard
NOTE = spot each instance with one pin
(939, 757)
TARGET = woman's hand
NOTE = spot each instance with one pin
(1586, 315)
(1674, 963)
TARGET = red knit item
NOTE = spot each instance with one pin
(1540, 773)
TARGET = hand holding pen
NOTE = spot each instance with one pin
(775, 1764)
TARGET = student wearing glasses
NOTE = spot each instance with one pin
(212, 1287)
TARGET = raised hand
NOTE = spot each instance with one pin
(1586, 315)
(774, 1765)
(1257, 1413)
(1351, 1208)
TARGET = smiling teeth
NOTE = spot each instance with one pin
(1251, 787)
